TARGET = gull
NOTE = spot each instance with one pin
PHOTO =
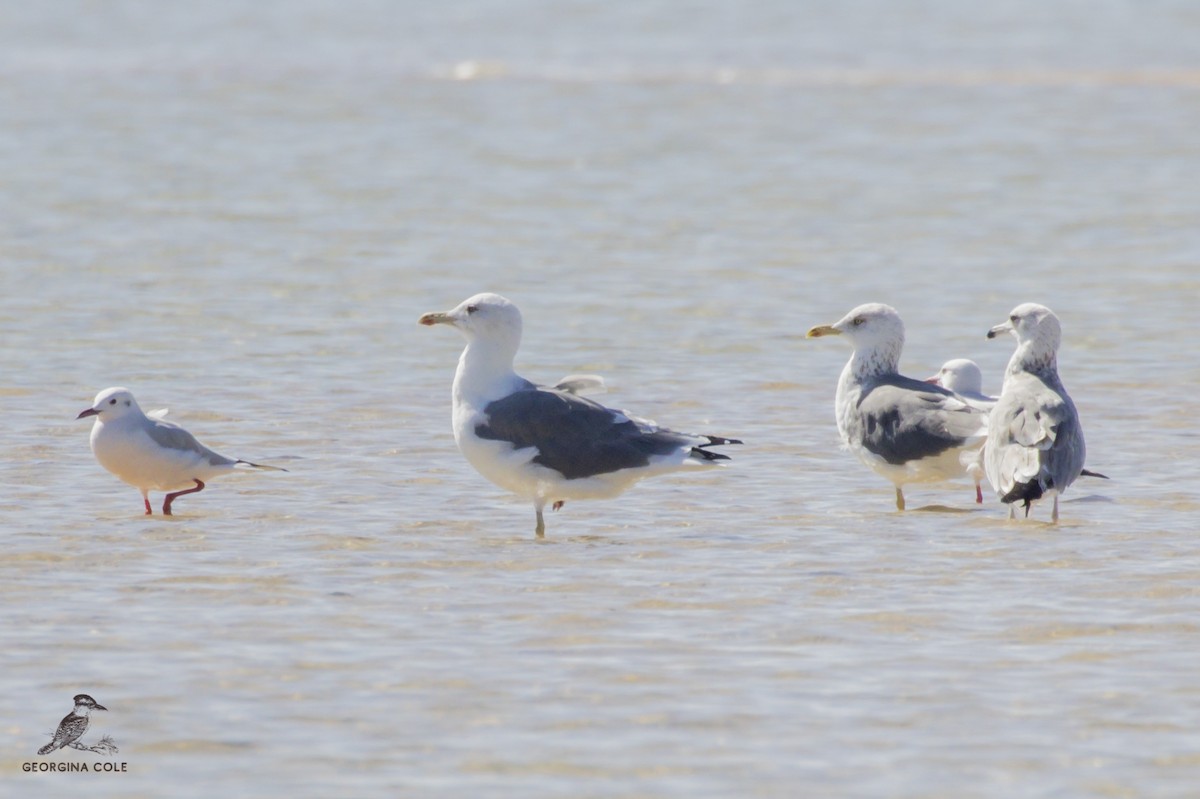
(582, 385)
(549, 444)
(1035, 442)
(149, 453)
(964, 378)
(905, 429)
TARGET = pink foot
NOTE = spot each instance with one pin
(557, 505)
(171, 497)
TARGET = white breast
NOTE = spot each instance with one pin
(130, 454)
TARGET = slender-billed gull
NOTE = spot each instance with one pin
(1035, 442)
(905, 429)
(548, 444)
(964, 378)
(149, 453)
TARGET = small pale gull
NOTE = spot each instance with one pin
(907, 430)
(549, 444)
(152, 454)
(1035, 442)
(964, 378)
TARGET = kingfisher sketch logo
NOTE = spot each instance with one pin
(73, 726)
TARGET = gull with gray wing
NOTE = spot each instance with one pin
(149, 453)
(905, 429)
(964, 378)
(1035, 442)
(549, 444)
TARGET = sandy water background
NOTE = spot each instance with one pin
(239, 213)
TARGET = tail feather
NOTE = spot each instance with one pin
(717, 441)
(1024, 492)
(700, 452)
(263, 466)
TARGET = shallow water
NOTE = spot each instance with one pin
(240, 213)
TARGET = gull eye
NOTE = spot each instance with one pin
(472, 308)
(1014, 319)
(858, 320)
(112, 401)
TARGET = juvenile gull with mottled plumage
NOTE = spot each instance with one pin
(905, 429)
(1035, 442)
(549, 444)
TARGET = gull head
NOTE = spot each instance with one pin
(959, 375)
(487, 317)
(1032, 324)
(85, 704)
(875, 330)
(111, 403)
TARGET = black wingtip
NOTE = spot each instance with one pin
(717, 441)
(1090, 473)
(262, 466)
(1024, 492)
(709, 456)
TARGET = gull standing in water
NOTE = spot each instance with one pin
(149, 453)
(963, 377)
(549, 444)
(905, 429)
(1035, 442)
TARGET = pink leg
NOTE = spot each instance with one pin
(146, 500)
(557, 505)
(978, 495)
(171, 497)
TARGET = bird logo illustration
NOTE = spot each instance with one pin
(74, 725)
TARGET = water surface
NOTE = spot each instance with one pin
(239, 213)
